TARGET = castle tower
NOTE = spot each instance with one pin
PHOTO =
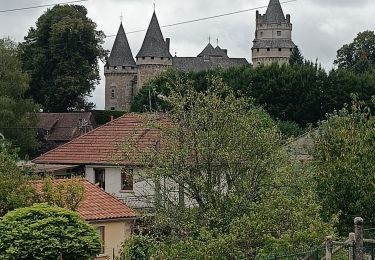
(154, 56)
(273, 36)
(120, 75)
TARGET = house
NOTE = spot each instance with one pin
(111, 217)
(55, 129)
(101, 154)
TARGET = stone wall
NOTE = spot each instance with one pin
(120, 88)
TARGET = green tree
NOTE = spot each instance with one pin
(16, 113)
(296, 58)
(358, 55)
(62, 54)
(226, 157)
(344, 159)
(46, 233)
(14, 189)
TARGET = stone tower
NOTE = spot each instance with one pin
(120, 75)
(154, 56)
(273, 36)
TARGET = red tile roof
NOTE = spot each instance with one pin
(105, 145)
(64, 126)
(97, 204)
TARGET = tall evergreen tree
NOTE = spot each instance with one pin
(296, 57)
(62, 54)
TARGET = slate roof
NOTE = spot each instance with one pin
(105, 144)
(209, 51)
(220, 52)
(121, 54)
(63, 126)
(97, 204)
(154, 44)
(200, 63)
(273, 43)
(274, 13)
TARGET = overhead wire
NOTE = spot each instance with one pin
(40, 6)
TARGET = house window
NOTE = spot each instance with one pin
(278, 33)
(127, 179)
(101, 236)
(113, 93)
(100, 178)
(268, 49)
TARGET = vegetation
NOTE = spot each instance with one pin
(344, 159)
(16, 113)
(226, 156)
(61, 54)
(43, 232)
(358, 55)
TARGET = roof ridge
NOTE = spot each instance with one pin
(81, 136)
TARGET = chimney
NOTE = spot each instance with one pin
(168, 43)
(226, 51)
(257, 16)
(288, 18)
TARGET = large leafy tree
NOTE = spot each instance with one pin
(47, 233)
(226, 157)
(344, 159)
(17, 118)
(61, 53)
(358, 55)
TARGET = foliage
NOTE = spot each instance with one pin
(102, 117)
(344, 159)
(296, 58)
(14, 189)
(62, 54)
(16, 112)
(45, 232)
(138, 248)
(224, 155)
(67, 194)
(358, 55)
(289, 129)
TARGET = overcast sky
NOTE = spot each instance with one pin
(320, 27)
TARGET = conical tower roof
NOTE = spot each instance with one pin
(209, 50)
(154, 44)
(121, 54)
(274, 14)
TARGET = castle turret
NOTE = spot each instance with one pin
(273, 36)
(154, 56)
(120, 74)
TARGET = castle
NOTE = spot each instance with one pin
(273, 36)
(125, 76)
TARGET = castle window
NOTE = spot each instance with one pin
(113, 93)
(162, 58)
(123, 67)
(278, 33)
(261, 34)
(107, 67)
(268, 49)
(112, 108)
(143, 58)
(115, 67)
(152, 58)
(291, 50)
(279, 49)
(258, 50)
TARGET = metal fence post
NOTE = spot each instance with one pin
(358, 228)
(329, 248)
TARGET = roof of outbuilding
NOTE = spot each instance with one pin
(121, 54)
(274, 13)
(105, 144)
(154, 44)
(97, 204)
(63, 126)
(273, 43)
(201, 63)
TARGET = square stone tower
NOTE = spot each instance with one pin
(273, 36)
(120, 75)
